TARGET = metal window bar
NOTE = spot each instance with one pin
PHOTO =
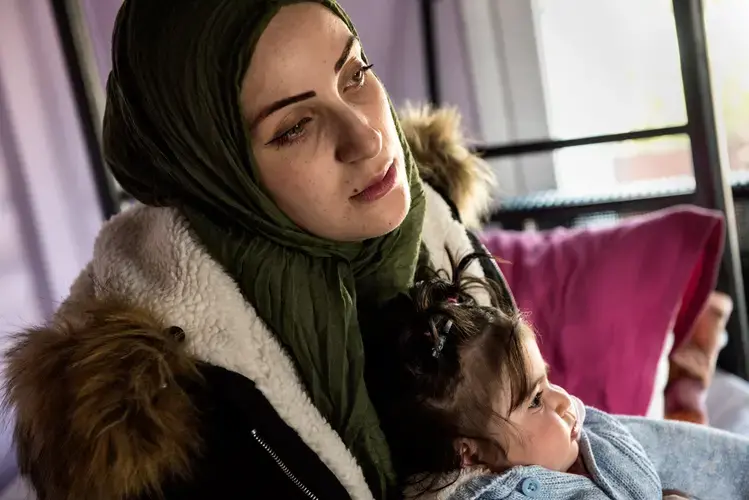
(428, 27)
(526, 147)
(712, 190)
(67, 28)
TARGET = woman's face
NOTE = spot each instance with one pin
(321, 129)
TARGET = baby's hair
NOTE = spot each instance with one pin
(435, 368)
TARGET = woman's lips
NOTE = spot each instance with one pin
(380, 188)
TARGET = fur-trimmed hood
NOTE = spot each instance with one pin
(96, 389)
(446, 163)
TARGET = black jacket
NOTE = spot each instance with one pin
(243, 438)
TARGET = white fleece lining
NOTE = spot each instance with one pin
(445, 237)
(146, 257)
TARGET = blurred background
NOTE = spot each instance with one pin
(588, 111)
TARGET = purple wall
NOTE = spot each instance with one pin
(392, 37)
(391, 32)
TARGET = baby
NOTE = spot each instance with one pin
(464, 387)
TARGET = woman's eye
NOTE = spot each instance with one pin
(294, 131)
(537, 401)
(360, 76)
(291, 135)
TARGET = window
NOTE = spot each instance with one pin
(614, 169)
(546, 69)
(608, 68)
(575, 69)
(727, 26)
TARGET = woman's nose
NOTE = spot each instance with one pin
(357, 140)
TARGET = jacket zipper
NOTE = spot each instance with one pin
(282, 465)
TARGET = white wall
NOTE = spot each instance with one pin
(504, 58)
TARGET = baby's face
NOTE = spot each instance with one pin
(544, 431)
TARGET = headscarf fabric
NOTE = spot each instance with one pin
(174, 136)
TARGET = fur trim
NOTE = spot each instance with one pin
(445, 162)
(99, 408)
(446, 237)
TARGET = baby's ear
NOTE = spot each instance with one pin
(468, 451)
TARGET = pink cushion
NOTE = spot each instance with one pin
(603, 299)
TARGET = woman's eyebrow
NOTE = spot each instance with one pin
(344, 56)
(287, 101)
(281, 103)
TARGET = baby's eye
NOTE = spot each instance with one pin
(537, 402)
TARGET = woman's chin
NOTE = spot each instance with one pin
(394, 211)
(363, 220)
(385, 215)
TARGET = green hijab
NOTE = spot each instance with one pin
(174, 136)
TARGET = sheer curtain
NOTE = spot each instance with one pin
(49, 214)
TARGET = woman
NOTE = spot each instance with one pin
(213, 346)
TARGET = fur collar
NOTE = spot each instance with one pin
(110, 351)
(446, 163)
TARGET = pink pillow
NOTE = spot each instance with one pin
(603, 299)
